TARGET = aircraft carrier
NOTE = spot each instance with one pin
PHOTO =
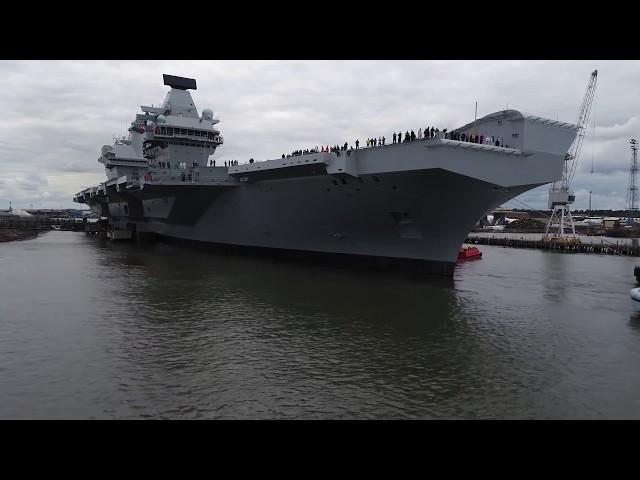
(406, 205)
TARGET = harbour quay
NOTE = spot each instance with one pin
(582, 244)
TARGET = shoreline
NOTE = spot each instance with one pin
(570, 245)
(13, 234)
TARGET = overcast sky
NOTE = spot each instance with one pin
(56, 115)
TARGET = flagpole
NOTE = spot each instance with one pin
(475, 119)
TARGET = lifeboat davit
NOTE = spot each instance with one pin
(469, 253)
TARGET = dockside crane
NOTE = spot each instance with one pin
(560, 194)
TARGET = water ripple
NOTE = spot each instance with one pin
(90, 329)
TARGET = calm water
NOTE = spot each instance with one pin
(90, 329)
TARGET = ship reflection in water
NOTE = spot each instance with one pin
(92, 329)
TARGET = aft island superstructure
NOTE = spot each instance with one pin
(408, 204)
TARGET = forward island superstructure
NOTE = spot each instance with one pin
(408, 204)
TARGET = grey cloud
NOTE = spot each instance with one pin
(627, 129)
(19, 185)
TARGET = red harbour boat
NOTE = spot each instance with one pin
(469, 253)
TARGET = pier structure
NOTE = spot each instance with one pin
(569, 245)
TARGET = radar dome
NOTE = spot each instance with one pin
(161, 119)
(106, 149)
(207, 114)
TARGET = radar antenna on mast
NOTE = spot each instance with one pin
(560, 195)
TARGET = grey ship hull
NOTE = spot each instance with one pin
(408, 219)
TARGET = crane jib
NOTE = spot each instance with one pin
(561, 198)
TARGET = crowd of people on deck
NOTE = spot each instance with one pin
(399, 137)
(433, 132)
(408, 136)
(229, 163)
(322, 149)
